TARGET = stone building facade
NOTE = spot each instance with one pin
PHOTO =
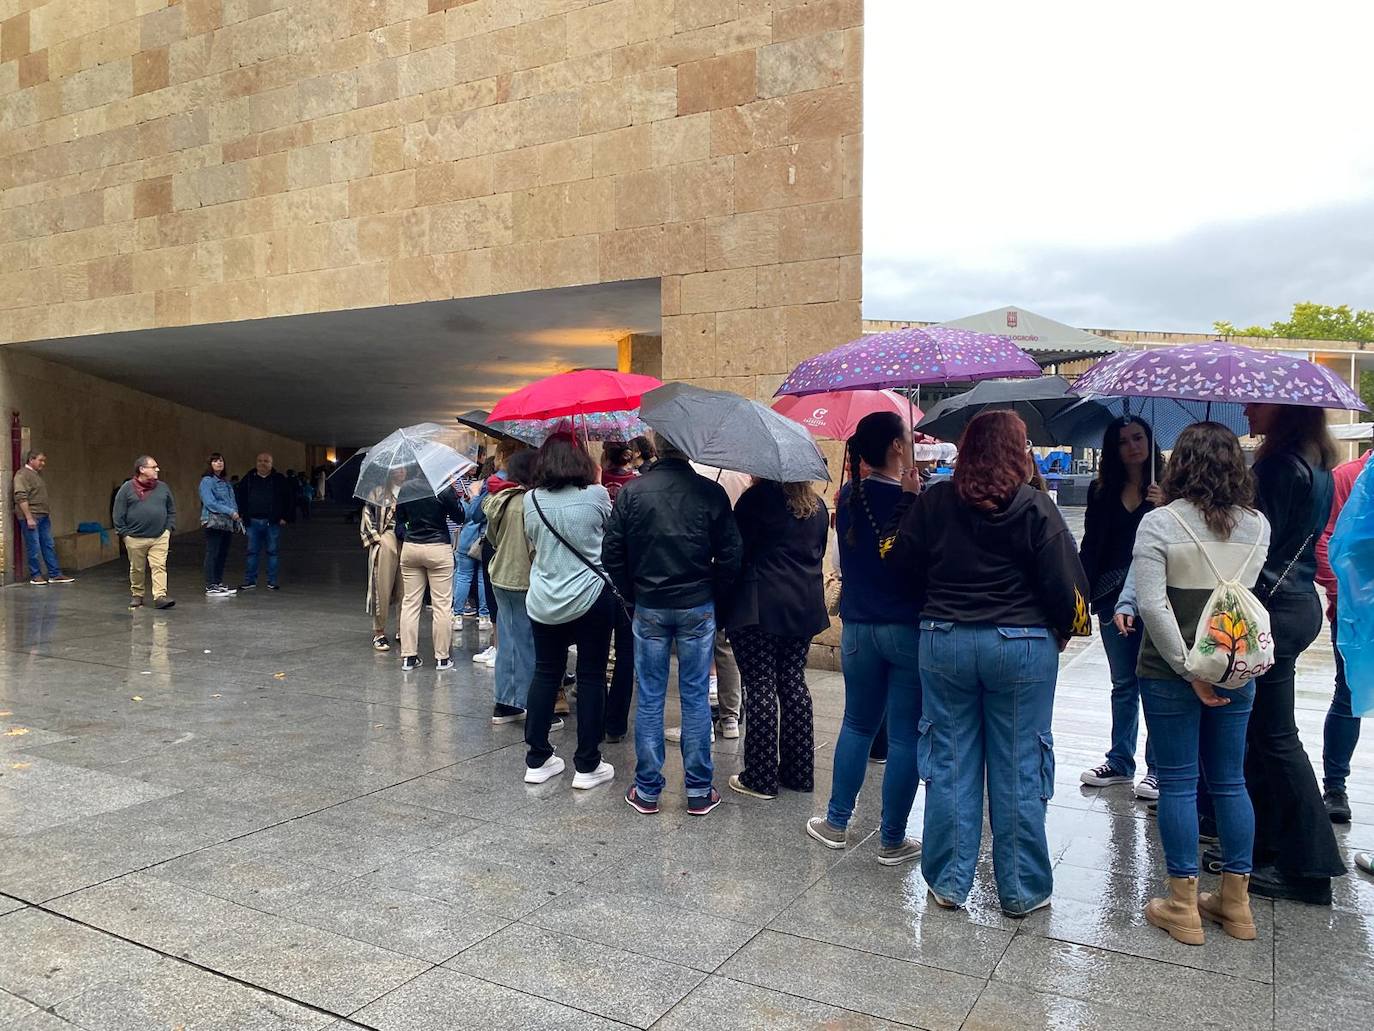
(205, 161)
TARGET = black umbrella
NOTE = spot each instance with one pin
(477, 420)
(1037, 401)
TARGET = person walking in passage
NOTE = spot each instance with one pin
(570, 602)
(1295, 849)
(427, 562)
(504, 508)
(1341, 732)
(879, 646)
(1004, 591)
(219, 517)
(267, 502)
(145, 515)
(377, 529)
(1209, 530)
(1118, 500)
(776, 607)
(673, 550)
(35, 521)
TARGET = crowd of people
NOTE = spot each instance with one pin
(956, 600)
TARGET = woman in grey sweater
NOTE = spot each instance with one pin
(1209, 528)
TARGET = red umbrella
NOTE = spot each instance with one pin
(575, 393)
(834, 416)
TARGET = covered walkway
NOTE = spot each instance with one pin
(234, 815)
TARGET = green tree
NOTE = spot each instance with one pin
(1311, 321)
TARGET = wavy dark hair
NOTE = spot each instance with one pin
(520, 467)
(616, 454)
(1301, 430)
(563, 463)
(210, 466)
(993, 464)
(644, 449)
(1207, 467)
(870, 443)
(1112, 474)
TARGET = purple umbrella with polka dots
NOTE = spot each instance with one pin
(910, 358)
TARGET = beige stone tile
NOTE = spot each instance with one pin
(515, 267)
(738, 241)
(750, 341)
(825, 114)
(676, 141)
(851, 278)
(719, 291)
(631, 253)
(689, 345)
(470, 224)
(14, 37)
(825, 230)
(810, 63)
(569, 262)
(455, 180)
(394, 191)
(32, 69)
(816, 17)
(693, 14)
(717, 82)
(589, 207)
(642, 198)
(470, 273)
(813, 328)
(388, 150)
(802, 173)
(801, 282)
(602, 27)
(425, 278)
(567, 160)
(623, 150)
(750, 127)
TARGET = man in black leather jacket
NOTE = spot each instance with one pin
(672, 549)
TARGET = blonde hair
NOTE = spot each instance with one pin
(802, 501)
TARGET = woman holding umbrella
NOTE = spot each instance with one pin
(1118, 501)
(1295, 850)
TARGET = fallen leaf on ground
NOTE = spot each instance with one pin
(16, 731)
(20, 766)
(278, 676)
(138, 698)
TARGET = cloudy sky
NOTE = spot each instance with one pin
(1153, 166)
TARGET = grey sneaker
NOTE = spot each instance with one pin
(825, 832)
(898, 854)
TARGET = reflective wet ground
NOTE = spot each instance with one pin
(234, 815)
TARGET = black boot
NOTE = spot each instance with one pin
(1271, 883)
(1337, 805)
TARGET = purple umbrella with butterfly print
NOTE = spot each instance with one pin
(1218, 371)
(910, 358)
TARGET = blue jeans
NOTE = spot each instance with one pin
(262, 533)
(655, 630)
(36, 540)
(1341, 733)
(468, 568)
(1122, 654)
(989, 703)
(882, 677)
(1187, 733)
(515, 654)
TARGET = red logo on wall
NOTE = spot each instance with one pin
(1011, 320)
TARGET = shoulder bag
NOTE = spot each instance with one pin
(583, 558)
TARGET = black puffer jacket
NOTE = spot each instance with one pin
(672, 542)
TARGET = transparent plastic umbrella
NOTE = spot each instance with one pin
(414, 462)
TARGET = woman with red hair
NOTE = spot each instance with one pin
(1003, 591)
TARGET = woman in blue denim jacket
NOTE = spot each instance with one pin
(219, 515)
(469, 568)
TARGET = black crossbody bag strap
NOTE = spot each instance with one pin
(585, 561)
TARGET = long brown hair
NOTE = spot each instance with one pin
(993, 464)
(1301, 430)
(1207, 467)
(801, 500)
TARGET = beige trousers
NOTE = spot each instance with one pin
(151, 551)
(427, 564)
(386, 571)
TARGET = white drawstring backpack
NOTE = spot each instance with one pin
(1234, 643)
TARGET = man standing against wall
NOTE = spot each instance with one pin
(265, 503)
(31, 504)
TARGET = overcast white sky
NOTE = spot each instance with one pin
(1144, 166)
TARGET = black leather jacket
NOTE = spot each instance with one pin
(672, 542)
(1296, 499)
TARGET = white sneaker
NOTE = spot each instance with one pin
(485, 654)
(552, 767)
(490, 660)
(729, 727)
(483, 623)
(713, 694)
(603, 773)
(675, 733)
(457, 621)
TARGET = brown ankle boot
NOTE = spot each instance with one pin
(1230, 907)
(1178, 914)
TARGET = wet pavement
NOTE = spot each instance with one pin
(235, 815)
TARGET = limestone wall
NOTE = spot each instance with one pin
(211, 160)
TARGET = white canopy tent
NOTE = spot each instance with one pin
(1047, 341)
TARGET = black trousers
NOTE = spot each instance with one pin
(778, 729)
(216, 553)
(623, 679)
(1292, 830)
(591, 632)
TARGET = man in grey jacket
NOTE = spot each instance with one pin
(145, 516)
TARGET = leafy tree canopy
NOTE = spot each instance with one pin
(1311, 321)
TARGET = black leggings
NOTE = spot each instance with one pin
(216, 553)
(591, 632)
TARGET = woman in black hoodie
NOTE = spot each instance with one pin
(1003, 592)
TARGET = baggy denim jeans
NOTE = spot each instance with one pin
(262, 533)
(1189, 733)
(655, 630)
(988, 706)
(882, 678)
(515, 653)
(38, 541)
